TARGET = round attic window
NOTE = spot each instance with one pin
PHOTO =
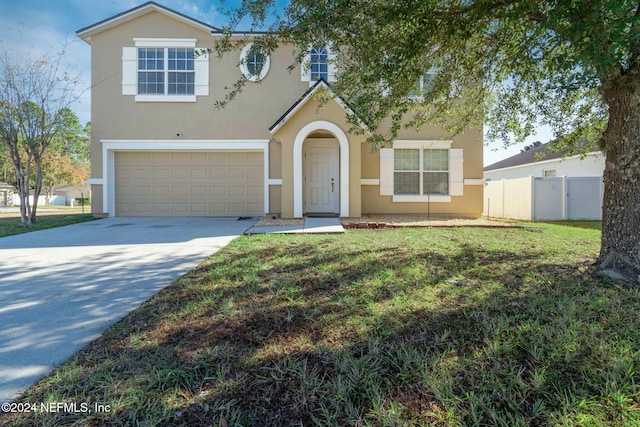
(254, 64)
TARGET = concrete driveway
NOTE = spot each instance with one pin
(61, 288)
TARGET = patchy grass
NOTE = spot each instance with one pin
(404, 327)
(10, 223)
(589, 225)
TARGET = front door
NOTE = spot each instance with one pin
(322, 177)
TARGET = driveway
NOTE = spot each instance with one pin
(61, 288)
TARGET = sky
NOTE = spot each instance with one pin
(36, 27)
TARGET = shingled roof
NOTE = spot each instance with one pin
(537, 153)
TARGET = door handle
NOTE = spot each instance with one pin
(332, 185)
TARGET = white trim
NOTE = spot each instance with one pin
(164, 42)
(475, 181)
(245, 70)
(422, 143)
(297, 165)
(110, 146)
(436, 198)
(369, 181)
(166, 98)
(302, 102)
(86, 33)
(95, 181)
(274, 181)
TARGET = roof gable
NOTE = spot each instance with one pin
(319, 85)
(148, 7)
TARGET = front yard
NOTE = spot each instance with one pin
(47, 217)
(403, 327)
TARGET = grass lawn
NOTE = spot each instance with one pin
(402, 327)
(49, 217)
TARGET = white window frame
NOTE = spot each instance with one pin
(545, 171)
(244, 69)
(387, 169)
(130, 70)
(305, 67)
(422, 85)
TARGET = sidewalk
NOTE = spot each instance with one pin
(311, 225)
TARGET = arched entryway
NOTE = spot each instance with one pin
(324, 149)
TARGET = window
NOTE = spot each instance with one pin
(254, 64)
(423, 84)
(421, 172)
(166, 71)
(319, 63)
(549, 172)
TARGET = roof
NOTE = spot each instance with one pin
(150, 6)
(320, 84)
(535, 154)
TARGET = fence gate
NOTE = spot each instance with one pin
(584, 197)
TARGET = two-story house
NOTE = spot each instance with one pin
(161, 148)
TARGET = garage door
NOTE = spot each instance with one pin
(189, 184)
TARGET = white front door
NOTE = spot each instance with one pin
(322, 177)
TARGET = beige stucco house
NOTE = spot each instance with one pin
(161, 148)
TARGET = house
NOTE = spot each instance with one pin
(6, 194)
(540, 161)
(71, 192)
(160, 147)
(540, 184)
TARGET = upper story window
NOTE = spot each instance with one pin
(423, 85)
(254, 64)
(164, 70)
(318, 64)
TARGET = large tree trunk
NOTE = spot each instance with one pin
(620, 247)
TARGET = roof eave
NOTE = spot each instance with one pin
(320, 84)
(86, 32)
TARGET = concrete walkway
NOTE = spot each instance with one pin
(61, 288)
(319, 225)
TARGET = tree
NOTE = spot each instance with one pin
(34, 99)
(512, 64)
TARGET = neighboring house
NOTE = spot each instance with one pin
(6, 194)
(71, 192)
(541, 185)
(160, 147)
(539, 161)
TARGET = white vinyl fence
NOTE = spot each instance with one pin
(545, 199)
(53, 200)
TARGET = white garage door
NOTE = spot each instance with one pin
(189, 184)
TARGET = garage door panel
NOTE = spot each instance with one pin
(189, 184)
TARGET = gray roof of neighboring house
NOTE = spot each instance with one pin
(536, 154)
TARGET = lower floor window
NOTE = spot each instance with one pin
(421, 172)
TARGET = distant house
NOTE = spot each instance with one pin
(540, 184)
(6, 194)
(72, 192)
(539, 161)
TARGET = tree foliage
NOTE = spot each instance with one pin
(510, 64)
(35, 95)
